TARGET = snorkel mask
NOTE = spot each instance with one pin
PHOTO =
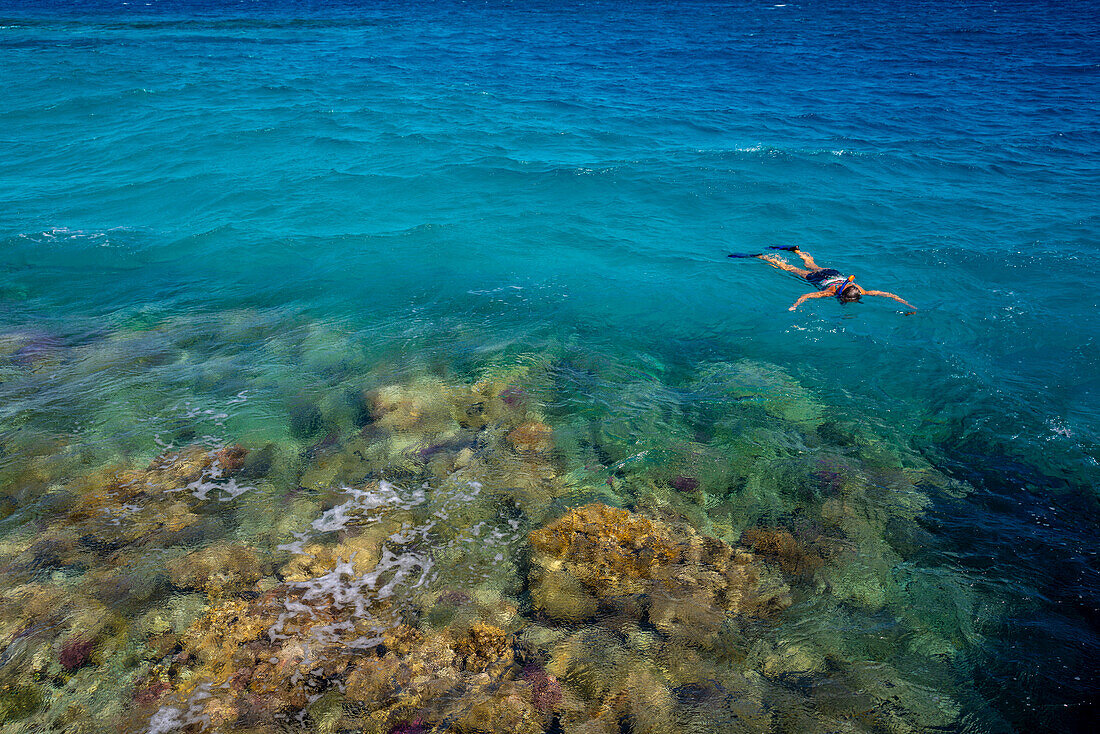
(849, 282)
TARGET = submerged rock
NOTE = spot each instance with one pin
(18, 701)
(217, 570)
(258, 463)
(608, 688)
(559, 595)
(507, 710)
(789, 660)
(420, 407)
(768, 386)
(305, 418)
(31, 349)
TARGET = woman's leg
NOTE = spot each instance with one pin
(808, 259)
(775, 262)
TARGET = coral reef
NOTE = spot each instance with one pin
(420, 553)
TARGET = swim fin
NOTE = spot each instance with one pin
(744, 254)
(788, 248)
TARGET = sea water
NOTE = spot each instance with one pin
(316, 231)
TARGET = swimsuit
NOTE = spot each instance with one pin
(825, 278)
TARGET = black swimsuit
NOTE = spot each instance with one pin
(825, 278)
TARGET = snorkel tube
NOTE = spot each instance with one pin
(840, 288)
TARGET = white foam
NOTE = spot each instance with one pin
(212, 480)
(296, 546)
(124, 512)
(172, 718)
(232, 490)
(363, 500)
(405, 561)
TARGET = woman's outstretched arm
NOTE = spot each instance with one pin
(802, 299)
(884, 294)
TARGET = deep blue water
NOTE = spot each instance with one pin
(434, 183)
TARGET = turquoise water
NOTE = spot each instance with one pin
(225, 224)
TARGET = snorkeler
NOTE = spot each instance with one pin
(828, 282)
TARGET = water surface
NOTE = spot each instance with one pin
(444, 278)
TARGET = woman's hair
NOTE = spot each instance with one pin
(848, 293)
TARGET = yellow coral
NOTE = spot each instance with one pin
(599, 554)
(608, 549)
(217, 635)
(172, 471)
(314, 560)
(792, 557)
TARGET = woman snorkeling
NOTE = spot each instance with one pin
(828, 282)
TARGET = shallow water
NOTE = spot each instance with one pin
(450, 282)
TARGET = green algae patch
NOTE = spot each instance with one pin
(767, 386)
(18, 701)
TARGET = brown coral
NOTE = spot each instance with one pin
(424, 678)
(314, 560)
(793, 558)
(231, 459)
(481, 645)
(532, 437)
(608, 549)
